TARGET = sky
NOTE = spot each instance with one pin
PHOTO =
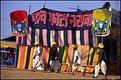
(8, 6)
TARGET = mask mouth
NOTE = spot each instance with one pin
(101, 34)
(19, 27)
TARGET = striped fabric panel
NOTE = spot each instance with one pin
(17, 38)
(37, 35)
(33, 36)
(56, 37)
(95, 41)
(61, 51)
(16, 57)
(86, 40)
(70, 55)
(25, 56)
(84, 51)
(82, 37)
(44, 34)
(59, 38)
(74, 36)
(40, 37)
(65, 38)
(77, 37)
(45, 54)
(22, 41)
(31, 58)
(89, 56)
(52, 36)
(90, 38)
(65, 55)
(29, 37)
(22, 57)
(95, 57)
(62, 38)
(19, 56)
(25, 40)
(28, 57)
(69, 37)
(48, 38)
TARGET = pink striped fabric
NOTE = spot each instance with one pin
(17, 39)
(44, 33)
(69, 37)
(37, 35)
(62, 38)
(86, 41)
(59, 38)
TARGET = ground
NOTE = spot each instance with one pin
(13, 73)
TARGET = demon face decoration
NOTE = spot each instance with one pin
(101, 22)
(19, 23)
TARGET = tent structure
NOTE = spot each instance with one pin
(65, 28)
(9, 42)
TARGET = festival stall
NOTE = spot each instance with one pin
(65, 28)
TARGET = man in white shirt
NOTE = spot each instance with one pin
(77, 61)
(37, 58)
(101, 61)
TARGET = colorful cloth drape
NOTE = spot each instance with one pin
(25, 53)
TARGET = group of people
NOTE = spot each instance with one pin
(54, 63)
(7, 59)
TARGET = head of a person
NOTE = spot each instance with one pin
(74, 47)
(100, 45)
(36, 44)
(54, 44)
(37, 53)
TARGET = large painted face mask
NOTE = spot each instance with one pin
(19, 23)
(101, 22)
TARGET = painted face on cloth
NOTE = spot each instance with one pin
(101, 22)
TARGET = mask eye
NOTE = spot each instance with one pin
(106, 21)
(22, 21)
(95, 29)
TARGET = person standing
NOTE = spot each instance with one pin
(54, 58)
(101, 61)
(38, 63)
(10, 59)
(77, 61)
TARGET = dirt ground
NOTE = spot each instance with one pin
(28, 74)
